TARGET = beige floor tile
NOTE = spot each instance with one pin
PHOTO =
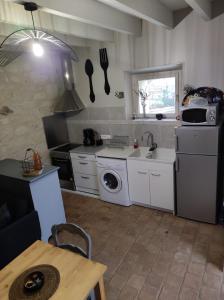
(187, 293)
(136, 281)
(181, 257)
(212, 281)
(192, 281)
(160, 269)
(222, 292)
(178, 269)
(196, 268)
(151, 254)
(199, 256)
(118, 281)
(168, 294)
(148, 293)
(154, 280)
(173, 282)
(214, 268)
(208, 294)
(128, 292)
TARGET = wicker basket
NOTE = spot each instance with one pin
(29, 165)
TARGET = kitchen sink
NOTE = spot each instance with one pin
(157, 155)
(142, 152)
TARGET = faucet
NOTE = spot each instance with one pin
(152, 146)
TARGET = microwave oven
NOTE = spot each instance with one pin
(199, 115)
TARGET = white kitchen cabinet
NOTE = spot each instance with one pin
(151, 183)
(84, 182)
(85, 172)
(83, 156)
(47, 201)
(41, 193)
(84, 166)
(161, 188)
(138, 178)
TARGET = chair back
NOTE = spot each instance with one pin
(73, 229)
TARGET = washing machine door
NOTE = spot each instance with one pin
(111, 181)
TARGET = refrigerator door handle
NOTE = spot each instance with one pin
(176, 143)
(177, 165)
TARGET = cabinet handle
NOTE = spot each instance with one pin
(177, 143)
(84, 177)
(153, 174)
(142, 173)
(82, 157)
(177, 165)
(83, 163)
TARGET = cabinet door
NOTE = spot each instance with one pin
(138, 178)
(162, 188)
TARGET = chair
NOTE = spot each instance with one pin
(74, 229)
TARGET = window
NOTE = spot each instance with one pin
(156, 93)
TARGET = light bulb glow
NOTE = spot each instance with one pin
(37, 49)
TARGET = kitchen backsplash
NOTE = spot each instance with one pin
(111, 120)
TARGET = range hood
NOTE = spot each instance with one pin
(70, 100)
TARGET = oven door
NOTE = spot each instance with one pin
(194, 116)
(65, 168)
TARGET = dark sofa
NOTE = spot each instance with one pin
(18, 235)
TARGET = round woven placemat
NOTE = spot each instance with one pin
(51, 282)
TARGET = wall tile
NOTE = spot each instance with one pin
(98, 113)
(116, 113)
(30, 88)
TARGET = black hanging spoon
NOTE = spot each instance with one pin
(89, 71)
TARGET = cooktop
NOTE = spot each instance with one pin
(67, 147)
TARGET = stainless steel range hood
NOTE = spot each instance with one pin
(70, 100)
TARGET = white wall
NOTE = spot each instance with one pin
(120, 58)
(196, 43)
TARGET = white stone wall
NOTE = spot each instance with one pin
(30, 87)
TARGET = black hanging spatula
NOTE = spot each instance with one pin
(89, 71)
(104, 65)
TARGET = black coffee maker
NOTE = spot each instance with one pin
(89, 137)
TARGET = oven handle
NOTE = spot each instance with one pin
(60, 160)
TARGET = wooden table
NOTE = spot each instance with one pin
(78, 276)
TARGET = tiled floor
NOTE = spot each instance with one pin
(150, 254)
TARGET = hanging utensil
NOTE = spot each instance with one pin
(104, 65)
(89, 71)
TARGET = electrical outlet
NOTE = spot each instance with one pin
(106, 136)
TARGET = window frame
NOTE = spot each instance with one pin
(177, 73)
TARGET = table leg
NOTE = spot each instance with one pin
(100, 290)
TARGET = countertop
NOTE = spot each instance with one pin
(87, 149)
(13, 168)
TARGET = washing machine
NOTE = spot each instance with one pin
(113, 180)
